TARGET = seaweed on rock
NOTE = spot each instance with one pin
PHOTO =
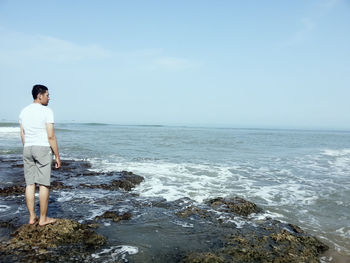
(45, 243)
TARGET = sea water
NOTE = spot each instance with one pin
(297, 176)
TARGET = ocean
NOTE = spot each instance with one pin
(297, 176)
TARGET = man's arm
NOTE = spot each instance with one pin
(53, 143)
(22, 133)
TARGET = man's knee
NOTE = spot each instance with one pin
(44, 187)
(30, 186)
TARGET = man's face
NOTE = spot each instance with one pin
(44, 98)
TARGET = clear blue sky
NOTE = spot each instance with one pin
(230, 63)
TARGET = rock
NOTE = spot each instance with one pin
(131, 177)
(203, 258)
(123, 183)
(235, 205)
(20, 190)
(74, 168)
(12, 190)
(296, 229)
(272, 242)
(56, 185)
(114, 216)
(192, 210)
(7, 224)
(127, 182)
(90, 173)
(64, 241)
(37, 240)
(72, 165)
(278, 247)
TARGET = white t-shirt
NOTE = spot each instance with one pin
(33, 119)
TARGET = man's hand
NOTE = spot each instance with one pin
(53, 143)
(57, 162)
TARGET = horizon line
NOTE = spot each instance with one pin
(216, 126)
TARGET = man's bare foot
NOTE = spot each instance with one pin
(33, 220)
(47, 221)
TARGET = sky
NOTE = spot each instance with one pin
(244, 64)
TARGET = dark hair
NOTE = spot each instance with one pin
(38, 89)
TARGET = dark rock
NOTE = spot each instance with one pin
(271, 242)
(122, 183)
(12, 190)
(72, 168)
(283, 246)
(7, 224)
(56, 185)
(203, 258)
(114, 216)
(131, 177)
(64, 231)
(296, 229)
(92, 225)
(192, 210)
(235, 205)
(20, 190)
(67, 165)
(127, 182)
(90, 173)
(39, 243)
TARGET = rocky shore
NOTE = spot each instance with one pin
(222, 229)
(51, 243)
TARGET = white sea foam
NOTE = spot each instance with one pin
(65, 196)
(9, 129)
(344, 232)
(4, 208)
(336, 153)
(202, 181)
(80, 196)
(173, 181)
(7, 132)
(238, 222)
(85, 198)
(265, 214)
(287, 193)
(325, 259)
(114, 253)
(338, 161)
(183, 224)
(97, 211)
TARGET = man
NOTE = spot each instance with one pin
(39, 141)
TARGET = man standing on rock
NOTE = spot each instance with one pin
(39, 141)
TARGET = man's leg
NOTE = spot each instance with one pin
(43, 158)
(29, 174)
(44, 192)
(30, 200)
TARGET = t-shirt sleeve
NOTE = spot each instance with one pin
(20, 117)
(49, 116)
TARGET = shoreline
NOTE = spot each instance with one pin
(225, 221)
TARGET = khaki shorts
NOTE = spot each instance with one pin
(37, 162)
